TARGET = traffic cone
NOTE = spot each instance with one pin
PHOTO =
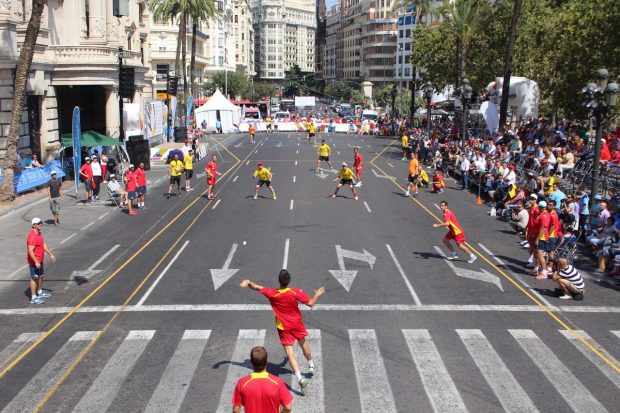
(478, 200)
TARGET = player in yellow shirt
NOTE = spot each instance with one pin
(414, 175)
(175, 169)
(189, 169)
(269, 123)
(264, 178)
(347, 177)
(323, 150)
(311, 131)
(404, 143)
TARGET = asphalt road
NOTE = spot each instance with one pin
(160, 323)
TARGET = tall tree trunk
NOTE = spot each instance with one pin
(184, 57)
(412, 105)
(192, 64)
(7, 192)
(463, 62)
(503, 107)
(177, 59)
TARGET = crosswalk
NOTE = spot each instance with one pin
(369, 370)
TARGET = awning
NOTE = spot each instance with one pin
(90, 138)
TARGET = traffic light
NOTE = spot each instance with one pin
(126, 83)
(173, 83)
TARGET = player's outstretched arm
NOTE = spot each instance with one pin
(250, 284)
(316, 296)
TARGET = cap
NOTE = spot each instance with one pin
(87, 158)
(344, 164)
(53, 173)
(260, 164)
(112, 176)
(598, 197)
(131, 166)
(533, 196)
(511, 167)
(542, 204)
(36, 221)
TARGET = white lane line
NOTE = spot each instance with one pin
(295, 163)
(216, 204)
(367, 207)
(516, 277)
(390, 164)
(437, 206)
(174, 383)
(616, 333)
(439, 387)
(505, 387)
(247, 163)
(415, 297)
(103, 257)
(104, 389)
(297, 142)
(157, 181)
(261, 144)
(285, 259)
(17, 271)
(239, 365)
(101, 217)
(294, 179)
(314, 400)
(338, 152)
(68, 238)
(292, 203)
(87, 226)
(152, 287)
(373, 384)
(567, 385)
(42, 382)
(368, 146)
(12, 350)
(605, 368)
(297, 151)
(235, 178)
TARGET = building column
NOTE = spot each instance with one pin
(112, 116)
(112, 26)
(96, 19)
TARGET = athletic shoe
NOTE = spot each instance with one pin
(407, 193)
(578, 297)
(333, 195)
(255, 196)
(303, 386)
(453, 256)
(565, 297)
(167, 197)
(415, 193)
(531, 259)
(191, 189)
(274, 198)
(356, 197)
(526, 245)
(133, 212)
(542, 276)
(36, 300)
(44, 294)
(523, 242)
(471, 259)
(311, 370)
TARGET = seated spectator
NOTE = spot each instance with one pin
(567, 161)
(519, 219)
(604, 236)
(35, 161)
(570, 282)
(115, 189)
(438, 182)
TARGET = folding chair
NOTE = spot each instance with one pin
(113, 198)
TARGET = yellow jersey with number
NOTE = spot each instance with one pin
(176, 168)
(324, 150)
(263, 174)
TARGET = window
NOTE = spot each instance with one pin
(407, 46)
(400, 34)
(220, 61)
(161, 46)
(236, 18)
(408, 33)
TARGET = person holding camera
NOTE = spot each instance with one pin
(519, 218)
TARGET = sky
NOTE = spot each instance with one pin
(329, 3)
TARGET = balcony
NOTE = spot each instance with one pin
(89, 55)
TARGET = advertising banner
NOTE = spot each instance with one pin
(76, 134)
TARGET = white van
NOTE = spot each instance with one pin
(369, 114)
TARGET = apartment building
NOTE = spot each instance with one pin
(332, 62)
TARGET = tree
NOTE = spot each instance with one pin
(22, 71)
(264, 89)
(503, 107)
(341, 91)
(238, 85)
(199, 10)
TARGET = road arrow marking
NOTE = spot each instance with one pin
(346, 277)
(279, 145)
(382, 176)
(82, 276)
(322, 175)
(238, 145)
(221, 275)
(482, 275)
(201, 175)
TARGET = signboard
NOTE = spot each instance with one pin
(154, 119)
(190, 107)
(301, 101)
(161, 95)
(76, 133)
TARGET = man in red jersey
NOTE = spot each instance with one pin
(211, 170)
(131, 186)
(357, 165)
(455, 232)
(289, 322)
(36, 249)
(531, 231)
(542, 241)
(86, 175)
(141, 182)
(261, 392)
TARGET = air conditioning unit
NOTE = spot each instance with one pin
(120, 8)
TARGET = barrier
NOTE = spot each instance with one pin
(31, 178)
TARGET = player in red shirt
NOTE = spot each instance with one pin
(86, 174)
(289, 322)
(455, 232)
(542, 241)
(36, 249)
(141, 183)
(532, 231)
(211, 170)
(357, 164)
(261, 392)
(131, 185)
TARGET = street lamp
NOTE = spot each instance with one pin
(466, 93)
(400, 83)
(600, 99)
(428, 90)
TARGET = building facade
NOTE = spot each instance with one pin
(332, 62)
(284, 36)
(75, 64)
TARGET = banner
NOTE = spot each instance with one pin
(303, 101)
(190, 107)
(490, 115)
(76, 133)
(31, 178)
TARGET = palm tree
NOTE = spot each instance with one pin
(7, 192)
(503, 107)
(200, 10)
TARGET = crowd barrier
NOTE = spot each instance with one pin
(31, 178)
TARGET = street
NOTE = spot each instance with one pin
(146, 312)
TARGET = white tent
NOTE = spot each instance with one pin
(229, 114)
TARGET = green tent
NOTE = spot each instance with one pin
(90, 138)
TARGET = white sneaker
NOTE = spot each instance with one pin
(453, 256)
(255, 196)
(566, 297)
(356, 197)
(407, 193)
(472, 258)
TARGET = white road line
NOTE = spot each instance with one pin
(297, 152)
(338, 152)
(157, 181)
(152, 287)
(616, 333)
(605, 368)
(256, 151)
(68, 238)
(314, 400)
(286, 247)
(17, 271)
(367, 207)
(297, 142)
(247, 163)
(104, 389)
(239, 365)
(439, 387)
(42, 382)
(292, 203)
(373, 384)
(174, 383)
(216, 204)
(87, 226)
(437, 206)
(103, 257)
(295, 163)
(235, 179)
(12, 350)
(567, 385)
(390, 164)
(368, 146)
(415, 297)
(294, 179)
(505, 387)
(516, 277)
(101, 217)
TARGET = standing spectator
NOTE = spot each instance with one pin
(584, 209)
(557, 195)
(203, 125)
(131, 185)
(464, 168)
(55, 196)
(95, 167)
(36, 253)
(86, 174)
(104, 166)
(141, 182)
(218, 126)
(569, 280)
(186, 147)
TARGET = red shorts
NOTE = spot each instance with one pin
(211, 181)
(459, 238)
(288, 337)
(358, 171)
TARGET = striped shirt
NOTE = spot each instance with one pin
(571, 274)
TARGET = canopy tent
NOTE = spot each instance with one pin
(219, 106)
(90, 138)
